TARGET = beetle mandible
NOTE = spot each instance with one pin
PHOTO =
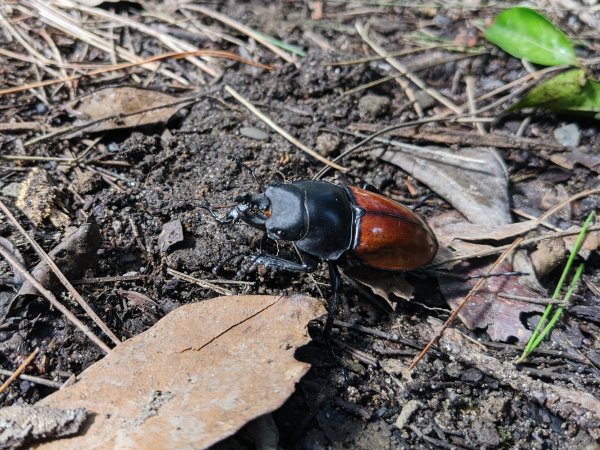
(343, 225)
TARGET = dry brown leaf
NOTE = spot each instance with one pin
(391, 287)
(39, 200)
(568, 160)
(480, 192)
(75, 254)
(194, 378)
(451, 226)
(540, 195)
(124, 107)
(501, 318)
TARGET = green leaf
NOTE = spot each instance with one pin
(570, 91)
(524, 33)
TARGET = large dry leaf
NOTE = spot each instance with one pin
(194, 378)
(501, 318)
(479, 191)
(125, 107)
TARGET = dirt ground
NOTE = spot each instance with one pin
(210, 151)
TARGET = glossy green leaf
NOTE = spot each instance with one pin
(524, 33)
(570, 91)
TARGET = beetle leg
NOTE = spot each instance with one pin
(336, 285)
(309, 264)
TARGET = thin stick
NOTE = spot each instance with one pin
(202, 283)
(405, 85)
(40, 251)
(266, 119)
(412, 77)
(258, 37)
(33, 379)
(169, 41)
(115, 67)
(470, 83)
(16, 265)
(20, 369)
(397, 53)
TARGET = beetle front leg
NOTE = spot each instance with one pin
(309, 264)
(336, 285)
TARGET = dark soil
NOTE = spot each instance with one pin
(204, 156)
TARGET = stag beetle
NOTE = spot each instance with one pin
(343, 225)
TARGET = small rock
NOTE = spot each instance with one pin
(407, 410)
(568, 135)
(486, 433)
(424, 99)
(87, 182)
(454, 369)
(472, 375)
(117, 226)
(373, 106)
(254, 133)
(327, 143)
(172, 233)
(11, 190)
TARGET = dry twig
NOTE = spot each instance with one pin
(46, 293)
(19, 370)
(266, 119)
(412, 77)
(76, 296)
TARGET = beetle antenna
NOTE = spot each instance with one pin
(223, 221)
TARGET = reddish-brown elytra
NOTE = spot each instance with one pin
(390, 236)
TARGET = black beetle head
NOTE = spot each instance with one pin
(287, 213)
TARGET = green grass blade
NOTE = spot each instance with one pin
(529, 348)
(560, 309)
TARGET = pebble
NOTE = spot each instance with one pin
(568, 135)
(373, 106)
(254, 133)
(471, 375)
(407, 410)
(327, 143)
(11, 190)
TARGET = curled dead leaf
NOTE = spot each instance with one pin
(39, 200)
(75, 254)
